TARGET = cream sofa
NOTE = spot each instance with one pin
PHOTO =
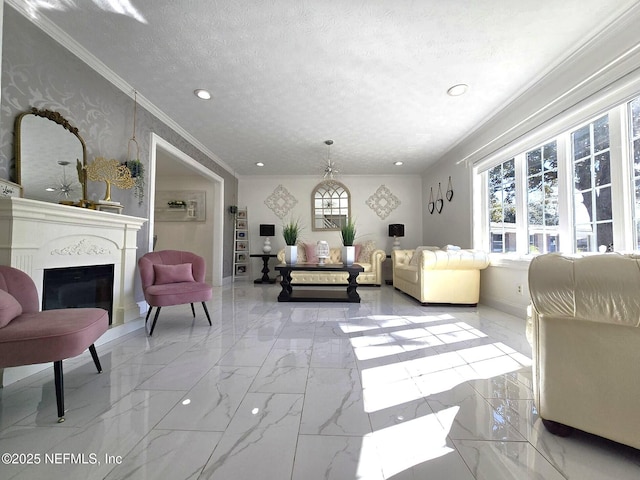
(583, 327)
(432, 275)
(370, 259)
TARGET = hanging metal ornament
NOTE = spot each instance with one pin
(449, 193)
(133, 163)
(431, 205)
(439, 200)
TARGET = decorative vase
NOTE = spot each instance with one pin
(322, 251)
(348, 255)
(291, 254)
(266, 248)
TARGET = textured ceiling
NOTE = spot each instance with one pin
(371, 75)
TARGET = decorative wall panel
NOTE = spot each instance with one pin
(383, 202)
(280, 201)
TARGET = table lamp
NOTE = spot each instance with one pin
(267, 230)
(396, 230)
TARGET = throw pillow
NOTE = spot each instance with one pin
(173, 273)
(10, 308)
(366, 250)
(310, 253)
(358, 250)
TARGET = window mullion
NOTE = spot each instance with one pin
(565, 194)
(522, 240)
(622, 194)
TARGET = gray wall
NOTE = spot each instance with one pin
(38, 72)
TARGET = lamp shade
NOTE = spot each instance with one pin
(267, 230)
(396, 230)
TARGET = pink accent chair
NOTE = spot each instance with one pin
(173, 277)
(29, 336)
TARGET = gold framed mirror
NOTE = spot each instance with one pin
(330, 206)
(50, 157)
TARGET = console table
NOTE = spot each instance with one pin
(289, 295)
(265, 269)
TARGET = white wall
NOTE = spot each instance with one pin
(196, 237)
(254, 190)
(499, 287)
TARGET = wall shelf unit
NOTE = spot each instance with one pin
(241, 262)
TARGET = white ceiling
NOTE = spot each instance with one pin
(372, 75)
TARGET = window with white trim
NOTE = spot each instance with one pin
(502, 207)
(576, 192)
(542, 198)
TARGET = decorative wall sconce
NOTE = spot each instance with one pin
(431, 205)
(449, 193)
(439, 200)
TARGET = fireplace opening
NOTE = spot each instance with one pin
(79, 287)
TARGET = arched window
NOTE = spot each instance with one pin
(330, 206)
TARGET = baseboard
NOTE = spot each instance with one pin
(515, 309)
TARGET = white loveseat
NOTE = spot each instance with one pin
(369, 258)
(585, 337)
(433, 275)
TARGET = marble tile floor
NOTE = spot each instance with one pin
(386, 389)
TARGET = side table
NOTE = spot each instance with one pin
(389, 281)
(265, 269)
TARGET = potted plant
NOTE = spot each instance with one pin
(291, 232)
(136, 167)
(348, 232)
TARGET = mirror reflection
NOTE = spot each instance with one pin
(49, 155)
(330, 202)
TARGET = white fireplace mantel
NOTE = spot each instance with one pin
(36, 235)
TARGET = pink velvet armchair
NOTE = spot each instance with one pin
(173, 277)
(29, 336)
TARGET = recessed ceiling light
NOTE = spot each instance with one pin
(457, 90)
(398, 163)
(203, 94)
(259, 164)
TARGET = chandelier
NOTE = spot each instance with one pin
(330, 168)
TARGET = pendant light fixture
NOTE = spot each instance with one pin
(330, 168)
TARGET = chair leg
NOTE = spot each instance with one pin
(155, 319)
(57, 375)
(193, 311)
(204, 305)
(94, 355)
(148, 314)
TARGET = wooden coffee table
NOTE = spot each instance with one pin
(320, 295)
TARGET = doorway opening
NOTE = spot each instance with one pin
(170, 169)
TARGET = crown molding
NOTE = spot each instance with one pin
(103, 70)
